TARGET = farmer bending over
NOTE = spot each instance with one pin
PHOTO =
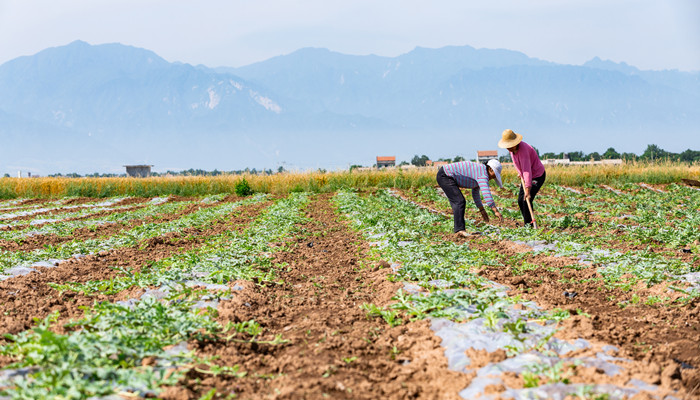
(529, 167)
(474, 176)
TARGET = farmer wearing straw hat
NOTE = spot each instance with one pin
(529, 167)
(474, 176)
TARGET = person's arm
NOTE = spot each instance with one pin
(488, 199)
(526, 167)
(476, 195)
(516, 164)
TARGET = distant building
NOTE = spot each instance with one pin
(556, 161)
(386, 162)
(138, 171)
(483, 156)
(566, 161)
(431, 163)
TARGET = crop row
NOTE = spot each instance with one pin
(138, 346)
(226, 257)
(198, 219)
(57, 206)
(468, 311)
(619, 268)
(59, 227)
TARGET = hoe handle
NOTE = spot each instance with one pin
(529, 205)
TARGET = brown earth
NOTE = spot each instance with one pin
(39, 241)
(98, 214)
(653, 333)
(61, 210)
(26, 297)
(333, 349)
(591, 230)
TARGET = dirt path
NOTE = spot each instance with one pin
(26, 297)
(333, 349)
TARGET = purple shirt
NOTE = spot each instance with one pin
(527, 163)
(472, 176)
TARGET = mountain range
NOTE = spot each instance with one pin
(93, 108)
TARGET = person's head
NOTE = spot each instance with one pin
(493, 167)
(510, 140)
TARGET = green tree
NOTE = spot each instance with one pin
(610, 154)
(419, 161)
(690, 156)
(577, 156)
(628, 156)
(654, 152)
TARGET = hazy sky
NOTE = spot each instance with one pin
(649, 34)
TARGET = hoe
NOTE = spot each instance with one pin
(529, 206)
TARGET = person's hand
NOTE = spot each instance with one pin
(527, 192)
(484, 215)
(498, 215)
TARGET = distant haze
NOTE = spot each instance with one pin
(649, 34)
(93, 108)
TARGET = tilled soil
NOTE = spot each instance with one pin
(333, 349)
(24, 298)
(667, 336)
(97, 214)
(38, 241)
(64, 208)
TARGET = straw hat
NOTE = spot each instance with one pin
(496, 167)
(509, 139)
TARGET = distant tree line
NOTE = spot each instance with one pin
(652, 153)
(188, 172)
(421, 161)
(216, 172)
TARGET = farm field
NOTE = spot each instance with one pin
(352, 293)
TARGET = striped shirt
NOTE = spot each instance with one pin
(472, 176)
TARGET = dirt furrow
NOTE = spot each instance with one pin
(26, 297)
(333, 349)
(100, 231)
(664, 333)
(72, 202)
(98, 214)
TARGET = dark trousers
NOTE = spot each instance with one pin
(536, 185)
(454, 194)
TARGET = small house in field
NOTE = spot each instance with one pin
(383, 162)
(431, 163)
(138, 171)
(483, 156)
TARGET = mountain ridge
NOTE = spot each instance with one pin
(318, 108)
